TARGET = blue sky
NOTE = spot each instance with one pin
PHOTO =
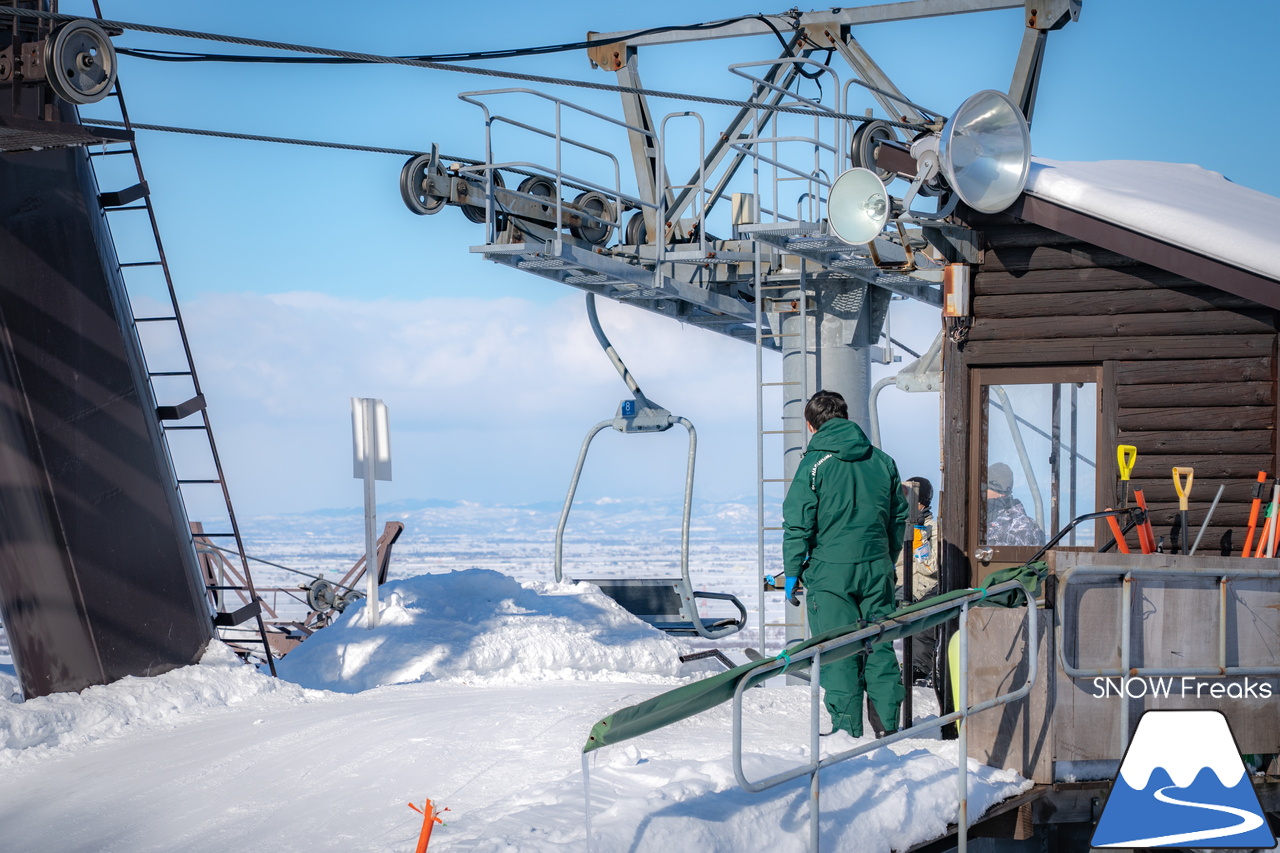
(305, 281)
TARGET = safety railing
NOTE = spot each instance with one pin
(562, 178)
(816, 762)
(1079, 575)
(828, 142)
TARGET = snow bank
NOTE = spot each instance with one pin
(483, 626)
(108, 711)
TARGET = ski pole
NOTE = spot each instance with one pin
(1194, 545)
(1184, 494)
(1258, 489)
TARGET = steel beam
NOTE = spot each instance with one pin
(888, 12)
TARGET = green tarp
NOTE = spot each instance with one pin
(690, 699)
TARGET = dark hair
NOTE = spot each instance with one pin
(824, 406)
(924, 489)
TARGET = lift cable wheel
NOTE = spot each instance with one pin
(668, 604)
(80, 62)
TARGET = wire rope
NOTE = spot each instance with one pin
(461, 69)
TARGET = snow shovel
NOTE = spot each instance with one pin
(1183, 488)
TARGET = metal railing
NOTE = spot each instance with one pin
(1079, 574)
(816, 763)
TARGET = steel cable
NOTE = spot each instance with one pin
(460, 69)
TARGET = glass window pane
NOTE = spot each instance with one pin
(1041, 462)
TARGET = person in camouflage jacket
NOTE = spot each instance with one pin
(1007, 520)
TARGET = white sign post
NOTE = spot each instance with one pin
(371, 437)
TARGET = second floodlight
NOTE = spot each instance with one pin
(985, 151)
(857, 206)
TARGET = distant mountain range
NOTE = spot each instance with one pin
(604, 518)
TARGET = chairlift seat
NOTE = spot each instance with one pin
(670, 605)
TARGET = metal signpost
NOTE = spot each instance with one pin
(371, 440)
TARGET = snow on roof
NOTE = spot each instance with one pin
(1177, 203)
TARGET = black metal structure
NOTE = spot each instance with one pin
(98, 577)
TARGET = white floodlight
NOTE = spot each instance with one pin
(985, 151)
(857, 206)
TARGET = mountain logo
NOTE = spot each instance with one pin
(1183, 782)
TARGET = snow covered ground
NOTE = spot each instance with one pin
(477, 691)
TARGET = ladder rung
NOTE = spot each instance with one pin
(154, 319)
(144, 207)
(197, 482)
(783, 335)
(781, 431)
(110, 153)
(171, 373)
(763, 384)
(778, 287)
(142, 264)
(213, 535)
(773, 528)
(779, 480)
(196, 426)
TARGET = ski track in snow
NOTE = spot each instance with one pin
(217, 756)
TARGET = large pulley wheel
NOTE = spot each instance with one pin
(415, 184)
(862, 150)
(636, 233)
(596, 205)
(80, 62)
(476, 214)
(541, 188)
(320, 595)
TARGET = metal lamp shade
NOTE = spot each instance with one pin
(985, 151)
(857, 206)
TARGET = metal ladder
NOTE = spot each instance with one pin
(135, 200)
(792, 427)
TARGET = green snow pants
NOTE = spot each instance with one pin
(839, 594)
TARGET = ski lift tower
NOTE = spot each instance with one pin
(760, 242)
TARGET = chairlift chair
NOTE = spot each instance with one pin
(668, 604)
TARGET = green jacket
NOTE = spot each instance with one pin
(845, 504)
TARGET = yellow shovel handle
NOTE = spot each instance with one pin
(1183, 488)
(1126, 456)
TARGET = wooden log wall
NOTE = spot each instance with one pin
(1189, 371)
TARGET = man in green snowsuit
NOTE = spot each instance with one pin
(845, 512)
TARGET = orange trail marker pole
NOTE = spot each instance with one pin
(429, 820)
(1258, 489)
(1117, 534)
(1146, 536)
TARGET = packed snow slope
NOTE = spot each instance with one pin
(475, 691)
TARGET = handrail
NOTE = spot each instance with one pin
(813, 654)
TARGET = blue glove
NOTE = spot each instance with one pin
(790, 590)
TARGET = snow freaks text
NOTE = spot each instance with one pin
(1186, 687)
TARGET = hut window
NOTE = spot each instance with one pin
(1038, 451)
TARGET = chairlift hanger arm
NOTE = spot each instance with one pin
(906, 11)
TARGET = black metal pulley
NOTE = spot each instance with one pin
(320, 595)
(80, 62)
(597, 205)
(862, 149)
(415, 183)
